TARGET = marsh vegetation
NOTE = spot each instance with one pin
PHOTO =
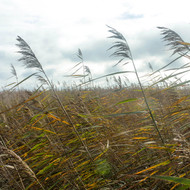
(88, 137)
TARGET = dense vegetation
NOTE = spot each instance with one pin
(119, 137)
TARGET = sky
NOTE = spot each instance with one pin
(55, 29)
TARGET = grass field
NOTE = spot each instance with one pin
(119, 137)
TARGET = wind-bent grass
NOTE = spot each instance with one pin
(30, 61)
(123, 51)
(76, 70)
(97, 138)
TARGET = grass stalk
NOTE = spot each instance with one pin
(68, 116)
(123, 51)
(31, 61)
(147, 105)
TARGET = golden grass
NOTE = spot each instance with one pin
(114, 138)
(124, 146)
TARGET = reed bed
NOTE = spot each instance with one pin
(116, 137)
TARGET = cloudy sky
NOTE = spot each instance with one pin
(55, 29)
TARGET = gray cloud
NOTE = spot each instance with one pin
(3, 75)
(5, 61)
(97, 51)
(146, 44)
(93, 51)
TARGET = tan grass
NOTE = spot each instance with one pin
(14, 172)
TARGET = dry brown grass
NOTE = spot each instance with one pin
(125, 148)
(113, 138)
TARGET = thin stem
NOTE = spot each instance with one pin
(69, 118)
(146, 102)
(148, 107)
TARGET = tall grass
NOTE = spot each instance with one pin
(123, 51)
(97, 138)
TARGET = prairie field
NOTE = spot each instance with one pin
(89, 137)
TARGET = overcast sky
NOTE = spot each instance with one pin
(55, 29)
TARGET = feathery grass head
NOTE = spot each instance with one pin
(174, 40)
(121, 45)
(28, 56)
(30, 60)
(80, 55)
(13, 70)
(87, 69)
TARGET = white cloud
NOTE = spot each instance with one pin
(55, 28)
